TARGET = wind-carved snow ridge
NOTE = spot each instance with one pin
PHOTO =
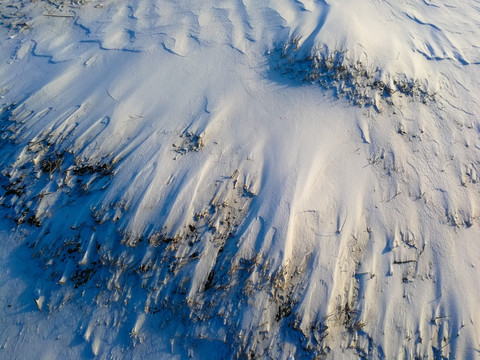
(199, 269)
(361, 84)
(167, 268)
(51, 171)
(192, 274)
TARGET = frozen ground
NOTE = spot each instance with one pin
(240, 179)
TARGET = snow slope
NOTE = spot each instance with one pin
(239, 179)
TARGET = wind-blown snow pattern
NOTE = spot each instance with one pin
(279, 179)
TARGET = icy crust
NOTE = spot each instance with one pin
(361, 84)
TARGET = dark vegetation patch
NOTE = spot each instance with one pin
(362, 85)
(189, 141)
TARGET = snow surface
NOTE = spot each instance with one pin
(240, 179)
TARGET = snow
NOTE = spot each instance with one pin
(202, 179)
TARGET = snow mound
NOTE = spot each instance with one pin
(182, 176)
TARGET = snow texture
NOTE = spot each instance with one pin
(285, 179)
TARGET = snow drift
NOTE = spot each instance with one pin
(239, 179)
